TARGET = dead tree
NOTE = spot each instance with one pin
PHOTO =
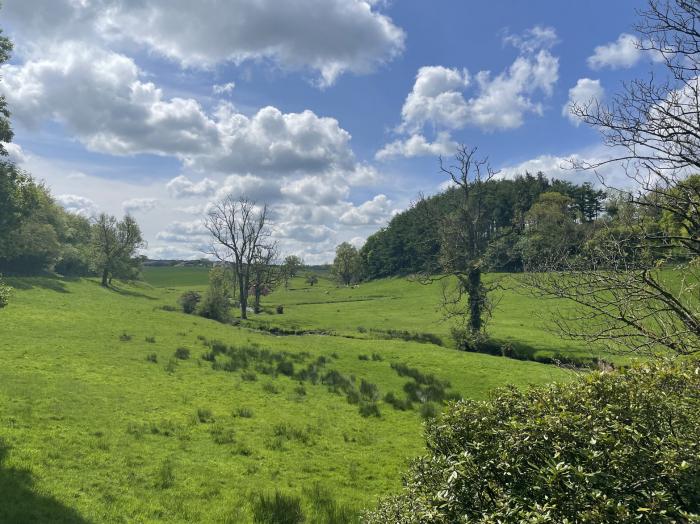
(239, 231)
(653, 130)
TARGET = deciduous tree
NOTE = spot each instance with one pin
(239, 231)
(346, 265)
(115, 245)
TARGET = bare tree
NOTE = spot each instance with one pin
(240, 232)
(264, 273)
(628, 296)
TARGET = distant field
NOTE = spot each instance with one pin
(399, 304)
(176, 276)
(100, 422)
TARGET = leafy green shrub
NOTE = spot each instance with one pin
(152, 357)
(377, 357)
(5, 292)
(216, 304)
(277, 509)
(168, 307)
(189, 300)
(622, 447)
(209, 356)
(182, 353)
(363, 357)
(151, 340)
(279, 309)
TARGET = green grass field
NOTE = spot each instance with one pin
(396, 304)
(93, 430)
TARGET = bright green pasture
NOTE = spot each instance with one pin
(171, 276)
(402, 304)
(92, 431)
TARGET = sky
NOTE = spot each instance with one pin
(333, 112)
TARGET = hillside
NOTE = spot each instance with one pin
(100, 422)
(372, 309)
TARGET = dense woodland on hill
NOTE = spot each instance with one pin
(410, 243)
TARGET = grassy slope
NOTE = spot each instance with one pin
(397, 303)
(79, 407)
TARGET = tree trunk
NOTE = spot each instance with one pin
(256, 305)
(243, 288)
(476, 293)
(105, 276)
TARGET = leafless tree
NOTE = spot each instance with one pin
(627, 294)
(240, 233)
(264, 274)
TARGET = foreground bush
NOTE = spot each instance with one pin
(608, 447)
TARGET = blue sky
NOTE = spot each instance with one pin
(332, 111)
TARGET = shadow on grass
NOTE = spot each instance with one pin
(19, 502)
(130, 293)
(50, 282)
(522, 351)
(123, 291)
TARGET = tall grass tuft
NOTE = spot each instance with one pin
(279, 508)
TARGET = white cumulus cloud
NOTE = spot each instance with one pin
(585, 91)
(78, 205)
(623, 53)
(329, 37)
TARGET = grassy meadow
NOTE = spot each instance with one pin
(116, 408)
(373, 309)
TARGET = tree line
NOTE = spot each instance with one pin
(411, 241)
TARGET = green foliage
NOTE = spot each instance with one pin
(114, 246)
(312, 280)
(610, 447)
(6, 133)
(217, 300)
(36, 234)
(189, 300)
(411, 242)
(347, 264)
(552, 231)
(290, 268)
(5, 293)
